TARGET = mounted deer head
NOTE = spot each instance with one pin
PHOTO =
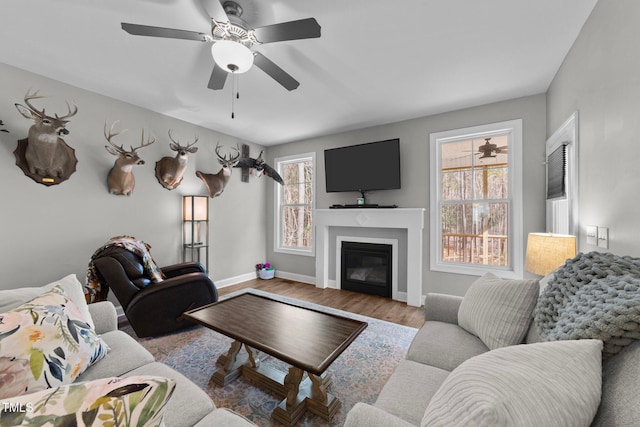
(120, 179)
(216, 182)
(46, 154)
(170, 170)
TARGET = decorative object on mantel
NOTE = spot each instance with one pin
(548, 251)
(1, 125)
(120, 180)
(170, 170)
(44, 156)
(265, 271)
(195, 215)
(217, 182)
(260, 166)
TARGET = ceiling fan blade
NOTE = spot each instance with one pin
(215, 10)
(218, 78)
(292, 30)
(146, 30)
(277, 73)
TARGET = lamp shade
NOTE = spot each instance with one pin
(548, 251)
(195, 208)
(232, 56)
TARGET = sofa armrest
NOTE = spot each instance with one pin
(363, 415)
(442, 307)
(104, 316)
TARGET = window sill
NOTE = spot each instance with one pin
(476, 270)
(291, 251)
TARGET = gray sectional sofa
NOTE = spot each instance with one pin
(188, 405)
(452, 377)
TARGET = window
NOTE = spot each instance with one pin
(476, 200)
(294, 204)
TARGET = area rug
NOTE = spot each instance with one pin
(358, 374)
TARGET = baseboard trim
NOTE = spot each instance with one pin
(296, 277)
(234, 280)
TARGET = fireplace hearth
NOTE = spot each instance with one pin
(366, 268)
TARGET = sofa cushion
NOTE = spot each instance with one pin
(50, 342)
(125, 355)
(498, 311)
(543, 384)
(408, 391)
(363, 415)
(444, 345)
(12, 298)
(620, 385)
(189, 403)
(135, 401)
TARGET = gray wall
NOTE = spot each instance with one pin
(600, 78)
(414, 146)
(49, 232)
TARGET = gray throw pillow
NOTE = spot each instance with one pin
(498, 311)
(551, 384)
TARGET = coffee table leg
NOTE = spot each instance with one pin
(293, 407)
(321, 402)
(232, 366)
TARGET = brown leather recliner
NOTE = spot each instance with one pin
(154, 308)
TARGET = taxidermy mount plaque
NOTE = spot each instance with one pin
(44, 156)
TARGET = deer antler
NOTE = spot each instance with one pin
(178, 142)
(150, 140)
(111, 134)
(28, 97)
(231, 159)
(69, 114)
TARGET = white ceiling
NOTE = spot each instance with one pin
(376, 62)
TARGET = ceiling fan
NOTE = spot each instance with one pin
(232, 40)
(488, 149)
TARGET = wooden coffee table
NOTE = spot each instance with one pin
(306, 339)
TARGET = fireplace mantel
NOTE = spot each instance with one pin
(410, 219)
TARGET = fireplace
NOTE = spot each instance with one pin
(366, 268)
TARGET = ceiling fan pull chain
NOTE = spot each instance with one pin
(233, 93)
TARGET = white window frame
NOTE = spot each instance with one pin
(277, 241)
(515, 269)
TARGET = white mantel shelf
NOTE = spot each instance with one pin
(410, 219)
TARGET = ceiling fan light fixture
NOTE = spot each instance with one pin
(231, 56)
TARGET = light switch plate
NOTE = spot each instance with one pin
(592, 235)
(603, 237)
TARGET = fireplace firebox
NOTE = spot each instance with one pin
(366, 268)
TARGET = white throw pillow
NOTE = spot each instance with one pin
(543, 384)
(12, 298)
(498, 311)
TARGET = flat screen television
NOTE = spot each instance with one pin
(363, 167)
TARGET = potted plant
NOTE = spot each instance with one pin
(265, 271)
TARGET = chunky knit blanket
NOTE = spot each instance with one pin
(93, 291)
(594, 295)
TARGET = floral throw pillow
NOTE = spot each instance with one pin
(45, 343)
(107, 402)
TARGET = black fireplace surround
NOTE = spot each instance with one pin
(366, 268)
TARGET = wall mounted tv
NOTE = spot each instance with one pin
(363, 167)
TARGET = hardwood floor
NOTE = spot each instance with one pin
(354, 302)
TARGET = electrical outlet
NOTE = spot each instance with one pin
(603, 237)
(592, 235)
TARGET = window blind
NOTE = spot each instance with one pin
(557, 173)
